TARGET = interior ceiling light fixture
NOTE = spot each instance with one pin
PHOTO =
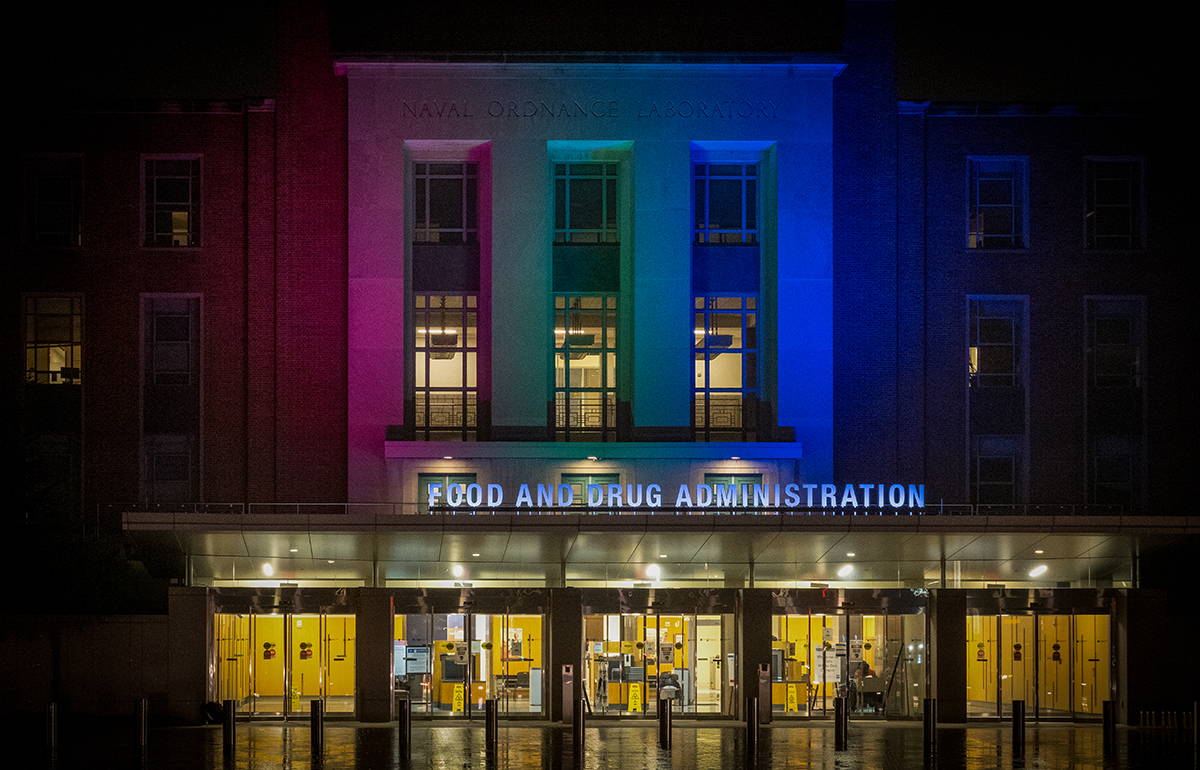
(1038, 570)
(268, 570)
(846, 570)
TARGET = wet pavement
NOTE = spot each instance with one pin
(623, 746)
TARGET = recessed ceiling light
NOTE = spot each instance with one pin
(294, 550)
(458, 570)
(1039, 551)
(662, 556)
(1038, 570)
(850, 553)
(447, 457)
(331, 561)
(846, 570)
(268, 570)
(474, 554)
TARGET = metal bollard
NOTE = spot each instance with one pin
(578, 726)
(664, 723)
(930, 714)
(404, 714)
(229, 725)
(840, 724)
(1110, 727)
(752, 726)
(492, 724)
(1018, 728)
(52, 725)
(140, 721)
(317, 722)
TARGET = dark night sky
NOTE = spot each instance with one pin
(949, 51)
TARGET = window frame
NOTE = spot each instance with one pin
(751, 369)
(423, 177)
(37, 168)
(74, 346)
(425, 349)
(149, 209)
(564, 228)
(1018, 374)
(611, 340)
(1136, 207)
(702, 230)
(975, 208)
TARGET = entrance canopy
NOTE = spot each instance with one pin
(359, 545)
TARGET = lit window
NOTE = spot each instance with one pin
(996, 217)
(172, 201)
(585, 367)
(1114, 203)
(446, 360)
(726, 377)
(53, 340)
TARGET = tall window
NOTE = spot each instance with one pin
(726, 202)
(725, 392)
(997, 208)
(446, 200)
(171, 205)
(446, 356)
(54, 200)
(171, 399)
(445, 254)
(53, 340)
(585, 367)
(996, 340)
(585, 203)
(1114, 203)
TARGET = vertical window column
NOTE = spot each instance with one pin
(997, 400)
(1116, 402)
(444, 405)
(171, 399)
(586, 296)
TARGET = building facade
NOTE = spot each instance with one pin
(547, 377)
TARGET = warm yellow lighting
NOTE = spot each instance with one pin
(1036, 571)
(458, 570)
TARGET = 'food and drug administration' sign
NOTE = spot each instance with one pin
(688, 497)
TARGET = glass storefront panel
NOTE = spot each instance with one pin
(1057, 664)
(449, 664)
(278, 664)
(876, 661)
(630, 660)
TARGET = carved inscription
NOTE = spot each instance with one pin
(593, 108)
